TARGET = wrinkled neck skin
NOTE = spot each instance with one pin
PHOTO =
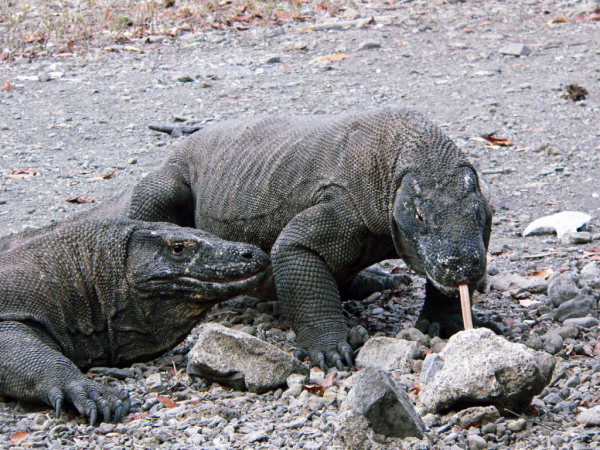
(440, 224)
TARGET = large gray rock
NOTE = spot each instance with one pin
(385, 406)
(388, 353)
(481, 368)
(511, 282)
(240, 361)
(577, 307)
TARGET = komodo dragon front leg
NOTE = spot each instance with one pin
(310, 257)
(34, 369)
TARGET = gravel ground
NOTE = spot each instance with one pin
(79, 124)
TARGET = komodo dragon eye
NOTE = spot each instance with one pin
(177, 249)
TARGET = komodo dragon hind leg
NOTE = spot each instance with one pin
(370, 281)
(441, 315)
(32, 369)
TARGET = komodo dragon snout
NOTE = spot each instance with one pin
(442, 227)
(192, 263)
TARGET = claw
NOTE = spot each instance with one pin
(106, 413)
(348, 357)
(58, 406)
(300, 354)
(118, 414)
(126, 405)
(93, 416)
(320, 361)
(434, 330)
(339, 364)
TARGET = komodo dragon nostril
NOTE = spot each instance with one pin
(247, 254)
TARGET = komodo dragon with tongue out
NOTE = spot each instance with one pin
(328, 196)
(107, 292)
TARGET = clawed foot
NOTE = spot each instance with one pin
(370, 281)
(441, 315)
(338, 356)
(91, 399)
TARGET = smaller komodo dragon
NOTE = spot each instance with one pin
(329, 196)
(108, 293)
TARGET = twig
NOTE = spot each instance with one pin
(530, 420)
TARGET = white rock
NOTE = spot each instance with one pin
(387, 353)
(485, 369)
(563, 222)
(590, 417)
(230, 356)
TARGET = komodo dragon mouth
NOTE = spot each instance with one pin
(229, 283)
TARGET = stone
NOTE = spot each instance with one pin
(352, 432)
(554, 343)
(476, 415)
(578, 307)
(154, 383)
(583, 322)
(581, 237)
(563, 288)
(431, 366)
(516, 425)
(476, 442)
(350, 14)
(369, 44)
(385, 406)
(223, 354)
(510, 282)
(412, 334)
(590, 417)
(515, 49)
(272, 59)
(387, 353)
(120, 374)
(482, 368)
(256, 436)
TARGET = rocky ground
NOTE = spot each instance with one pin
(73, 125)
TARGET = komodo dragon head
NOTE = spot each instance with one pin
(167, 260)
(441, 225)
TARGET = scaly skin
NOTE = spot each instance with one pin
(328, 196)
(107, 293)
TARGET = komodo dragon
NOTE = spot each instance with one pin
(328, 196)
(108, 292)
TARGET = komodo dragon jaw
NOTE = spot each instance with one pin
(192, 265)
(448, 252)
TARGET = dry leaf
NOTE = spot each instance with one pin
(166, 401)
(21, 173)
(104, 177)
(544, 273)
(314, 389)
(561, 20)
(330, 58)
(137, 416)
(497, 141)
(554, 202)
(18, 437)
(327, 381)
(81, 199)
(7, 87)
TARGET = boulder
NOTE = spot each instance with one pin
(240, 361)
(590, 417)
(385, 406)
(388, 353)
(481, 368)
